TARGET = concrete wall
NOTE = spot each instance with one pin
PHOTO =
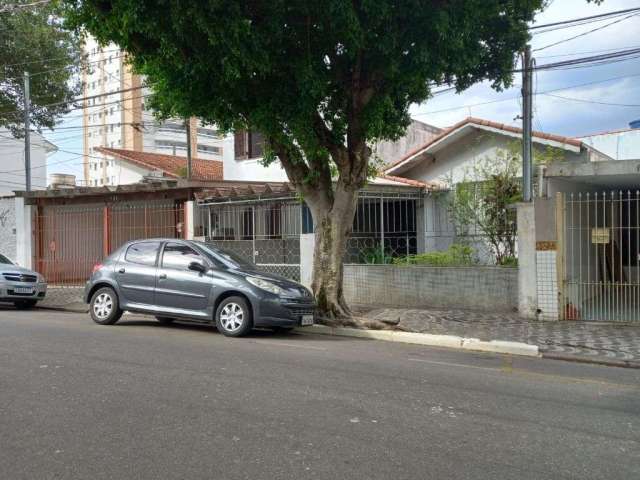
(480, 288)
(417, 134)
(8, 227)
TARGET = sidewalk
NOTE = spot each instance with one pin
(64, 298)
(581, 340)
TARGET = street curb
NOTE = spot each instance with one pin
(63, 308)
(594, 361)
(428, 339)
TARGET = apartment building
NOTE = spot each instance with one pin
(115, 115)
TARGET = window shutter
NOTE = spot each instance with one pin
(240, 145)
(256, 145)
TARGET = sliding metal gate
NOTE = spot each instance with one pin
(601, 259)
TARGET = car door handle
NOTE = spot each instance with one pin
(122, 270)
(162, 276)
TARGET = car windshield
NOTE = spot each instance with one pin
(229, 258)
(4, 259)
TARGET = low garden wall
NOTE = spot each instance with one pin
(475, 287)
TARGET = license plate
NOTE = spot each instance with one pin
(306, 320)
(23, 290)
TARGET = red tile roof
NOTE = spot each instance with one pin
(409, 181)
(485, 123)
(170, 165)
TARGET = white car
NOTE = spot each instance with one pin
(20, 286)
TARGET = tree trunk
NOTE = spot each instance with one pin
(332, 228)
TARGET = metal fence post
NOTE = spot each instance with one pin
(382, 229)
(106, 230)
(560, 253)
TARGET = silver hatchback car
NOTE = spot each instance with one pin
(20, 286)
(188, 280)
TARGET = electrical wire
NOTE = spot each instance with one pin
(595, 102)
(585, 33)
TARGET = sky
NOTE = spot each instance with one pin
(617, 83)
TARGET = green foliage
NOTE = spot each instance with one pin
(456, 255)
(182, 172)
(33, 40)
(482, 204)
(309, 75)
(508, 261)
(374, 256)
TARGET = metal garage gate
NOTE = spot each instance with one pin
(601, 259)
(69, 240)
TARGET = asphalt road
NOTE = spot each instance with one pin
(141, 401)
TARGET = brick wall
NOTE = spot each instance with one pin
(481, 288)
(8, 227)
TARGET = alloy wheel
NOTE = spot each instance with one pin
(232, 317)
(103, 306)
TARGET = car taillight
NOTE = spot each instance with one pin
(97, 267)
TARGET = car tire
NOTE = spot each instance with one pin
(234, 317)
(105, 307)
(165, 320)
(25, 304)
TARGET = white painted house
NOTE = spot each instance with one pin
(242, 153)
(12, 174)
(448, 157)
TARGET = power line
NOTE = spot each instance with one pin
(585, 33)
(538, 93)
(587, 52)
(591, 101)
(592, 17)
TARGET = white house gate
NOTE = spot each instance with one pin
(600, 262)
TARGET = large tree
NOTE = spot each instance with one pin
(321, 80)
(32, 40)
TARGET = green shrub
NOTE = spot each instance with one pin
(509, 261)
(455, 256)
(374, 256)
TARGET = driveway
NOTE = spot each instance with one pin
(140, 400)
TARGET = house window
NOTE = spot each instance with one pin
(248, 144)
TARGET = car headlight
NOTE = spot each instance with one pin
(264, 285)
(41, 279)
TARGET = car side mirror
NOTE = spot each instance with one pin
(197, 267)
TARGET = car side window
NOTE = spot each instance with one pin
(179, 256)
(143, 253)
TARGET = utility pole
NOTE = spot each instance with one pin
(527, 120)
(188, 125)
(27, 134)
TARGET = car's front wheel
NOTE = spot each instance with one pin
(105, 307)
(234, 317)
(25, 304)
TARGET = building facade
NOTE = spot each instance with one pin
(12, 173)
(115, 115)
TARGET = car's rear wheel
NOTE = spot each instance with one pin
(25, 304)
(165, 320)
(234, 317)
(105, 307)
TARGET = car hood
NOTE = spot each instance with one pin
(291, 288)
(6, 268)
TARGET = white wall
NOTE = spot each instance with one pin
(455, 162)
(623, 145)
(126, 173)
(12, 175)
(249, 170)
(8, 227)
